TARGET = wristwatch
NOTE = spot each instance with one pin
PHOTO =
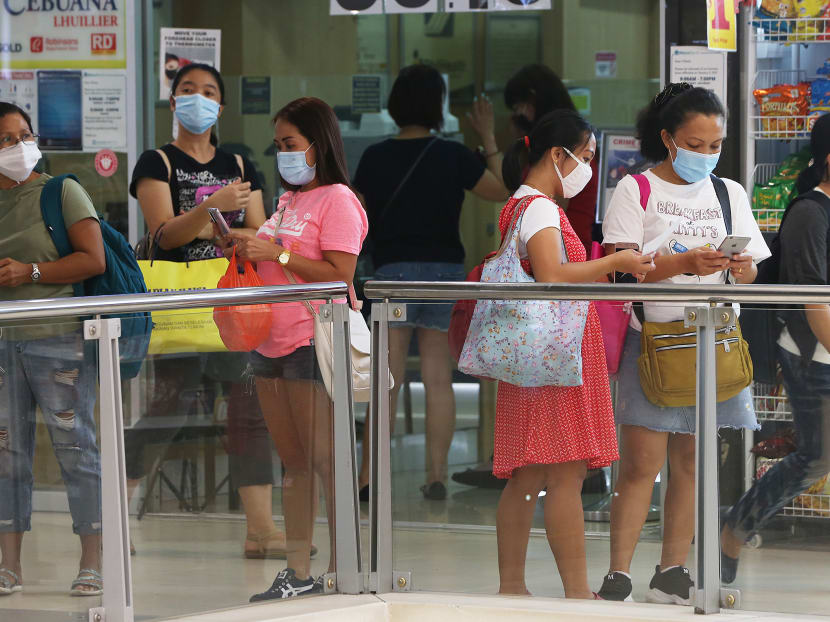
(285, 255)
(35, 273)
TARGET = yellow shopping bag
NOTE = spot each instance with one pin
(184, 330)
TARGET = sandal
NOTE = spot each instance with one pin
(87, 577)
(9, 582)
(263, 551)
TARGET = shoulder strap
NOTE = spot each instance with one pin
(241, 164)
(405, 179)
(51, 209)
(723, 198)
(645, 189)
(166, 161)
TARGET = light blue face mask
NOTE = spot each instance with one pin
(693, 166)
(293, 167)
(196, 113)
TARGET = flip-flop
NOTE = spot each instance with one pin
(6, 586)
(87, 577)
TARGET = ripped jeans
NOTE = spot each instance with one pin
(808, 389)
(58, 375)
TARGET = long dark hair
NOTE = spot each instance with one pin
(7, 108)
(216, 76)
(560, 128)
(315, 120)
(668, 111)
(817, 172)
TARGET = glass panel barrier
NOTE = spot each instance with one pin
(774, 493)
(449, 538)
(228, 464)
(50, 472)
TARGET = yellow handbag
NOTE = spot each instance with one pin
(184, 330)
(668, 361)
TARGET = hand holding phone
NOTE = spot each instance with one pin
(734, 245)
(219, 220)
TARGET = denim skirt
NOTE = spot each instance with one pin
(633, 407)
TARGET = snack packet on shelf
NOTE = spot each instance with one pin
(778, 8)
(819, 100)
(770, 16)
(785, 106)
(809, 8)
(816, 498)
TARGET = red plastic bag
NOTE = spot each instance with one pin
(242, 328)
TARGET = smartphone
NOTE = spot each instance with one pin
(219, 220)
(734, 244)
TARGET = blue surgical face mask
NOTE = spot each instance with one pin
(196, 113)
(693, 166)
(293, 167)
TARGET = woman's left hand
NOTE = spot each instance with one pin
(741, 267)
(255, 249)
(14, 273)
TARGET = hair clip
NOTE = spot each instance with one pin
(672, 89)
(527, 142)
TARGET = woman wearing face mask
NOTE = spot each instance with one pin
(33, 357)
(550, 436)
(314, 236)
(413, 187)
(175, 185)
(683, 129)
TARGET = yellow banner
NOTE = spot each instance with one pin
(722, 25)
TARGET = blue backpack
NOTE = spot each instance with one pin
(122, 276)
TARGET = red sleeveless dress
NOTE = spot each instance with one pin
(549, 425)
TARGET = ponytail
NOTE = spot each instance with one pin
(560, 128)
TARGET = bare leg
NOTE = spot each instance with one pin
(11, 544)
(322, 458)
(514, 518)
(292, 437)
(679, 526)
(399, 339)
(257, 501)
(440, 401)
(565, 525)
(642, 456)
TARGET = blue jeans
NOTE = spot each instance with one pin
(59, 376)
(434, 315)
(808, 389)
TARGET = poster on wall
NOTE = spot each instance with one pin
(59, 111)
(699, 66)
(722, 25)
(411, 6)
(104, 112)
(20, 88)
(355, 7)
(179, 47)
(620, 157)
(63, 35)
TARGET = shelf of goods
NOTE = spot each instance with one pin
(785, 72)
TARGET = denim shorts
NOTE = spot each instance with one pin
(301, 364)
(633, 407)
(434, 315)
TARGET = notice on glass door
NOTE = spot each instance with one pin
(699, 66)
(180, 47)
(20, 88)
(104, 111)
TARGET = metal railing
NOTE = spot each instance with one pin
(117, 600)
(702, 311)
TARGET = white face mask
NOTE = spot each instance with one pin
(293, 167)
(18, 162)
(577, 179)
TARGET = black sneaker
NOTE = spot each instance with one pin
(615, 586)
(436, 491)
(287, 585)
(672, 587)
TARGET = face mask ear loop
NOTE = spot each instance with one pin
(559, 174)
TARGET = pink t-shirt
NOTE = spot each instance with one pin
(328, 218)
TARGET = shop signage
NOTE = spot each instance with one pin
(721, 25)
(699, 66)
(411, 6)
(63, 34)
(605, 64)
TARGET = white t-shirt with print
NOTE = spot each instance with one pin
(692, 213)
(542, 213)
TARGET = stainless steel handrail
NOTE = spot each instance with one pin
(650, 292)
(158, 301)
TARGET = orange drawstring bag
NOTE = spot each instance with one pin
(242, 328)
